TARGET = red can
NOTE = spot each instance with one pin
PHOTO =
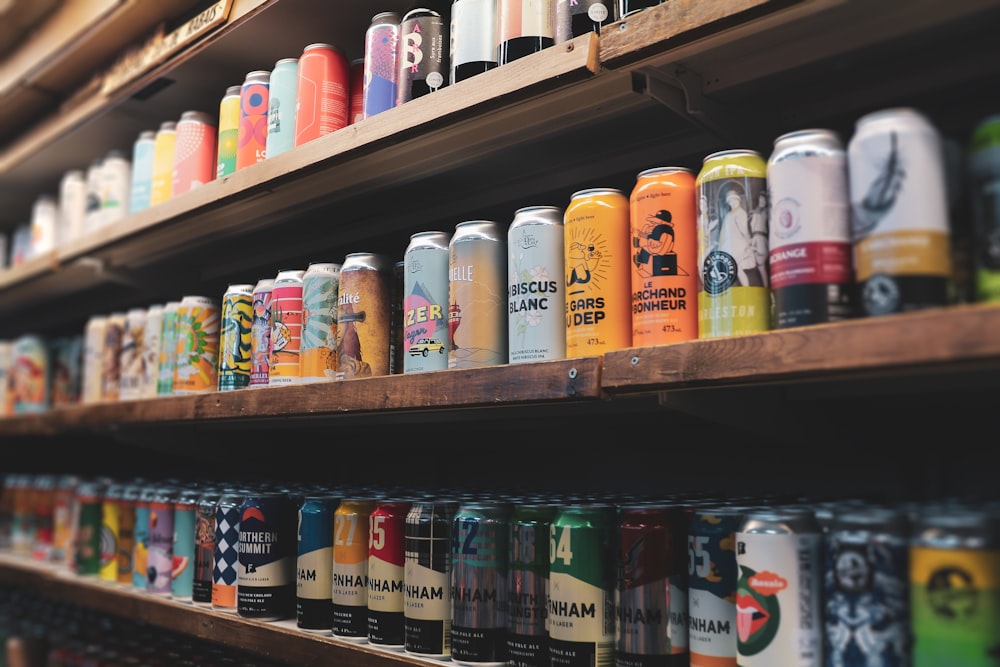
(386, 558)
(357, 111)
(194, 151)
(286, 328)
(324, 91)
(251, 137)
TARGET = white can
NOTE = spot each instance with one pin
(536, 293)
(72, 206)
(92, 182)
(151, 351)
(44, 213)
(93, 353)
(116, 185)
(131, 359)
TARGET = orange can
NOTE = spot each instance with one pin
(598, 274)
(251, 137)
(364, 306)
(194, 151)
(664, 227)
(324, 92)
(286, 328)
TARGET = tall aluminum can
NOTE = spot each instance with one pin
(386, 553)
(140, 538)
(364, 307)
(427, 578)
(110, 509)
(204, 546)
(473, 38)
(160, 547)
(477, 310)
(92, 210)
(423, 54)
(528, 587)
(734, 297)
(286, 328)
(131, 360)
(168, 349)
(899, 206)
(73, 205)
(44, 214)
(87, 552)
(866, 588)
(523, 27)
(664, 227)
(151, 351)
(94, 339)
(162, 183)
(983, 168)
(582, 573)
(6, 361)
(260, 334)
(578, 17)
(598, 272)
(265, 584)
(323, 92)
(779, 593)
(809, 241)
(111, 359)
(425, 302)
(229, 127)
(63, 527)
(381, 73)
(226, 554)
(66, 359)
(356, 107)
(479, 576)
(318, 354)
(251, 138)
(142, 171)
(351, 522)
(194, 154)
(126, 532)
(197, 344)
(282, 98)
(116, 184)
(536, 298)
(185, 526)
(235, 337)
(314, 564)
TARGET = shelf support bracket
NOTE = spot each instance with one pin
(680, 90)
(100, 269)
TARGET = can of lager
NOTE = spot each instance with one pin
(111, 370)
(664, 228)
(983, 168)
(386, 552)
(523, 28)
(151, 351)
(110, 511)
(251, 137)
(350, 568)
(528, 587)
(164, 145)
(73, 198)
(160, 549)
(578, 17)
(427, 578)
(323, 92)
(778, 595)
(143, 151)
(314, 564)
(318, 355)
(423, 54)
(425, 302)
(168, 349)
(194, 154)
(226, 553)
(234, 337)
(131, 361)
(197, 344)
(260, 334)
(204, 546)
(536, 299)
(229, 127)
(286, 328)
(94, 339)
(381, 72)
(364, 307)
(899, 206)
(185, 522)
(477, 277)
(473, 38)
(734, 297)
(282, 97)
(265, 583)
(598, 272)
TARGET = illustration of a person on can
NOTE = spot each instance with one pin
(583, 260)
(655, 244)
(735, 236)
(758, 234)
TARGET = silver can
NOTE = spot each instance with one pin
(536, 295)
(364, 308)
(318, 353)
(477, 277)
(425, 302)
(93, 353)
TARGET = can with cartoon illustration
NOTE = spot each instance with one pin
(734, 296)
(151, 351)
(160, 549)
(320, 288)
(536, 297)
(260, 334)
(286, 328)
(234, 338)
(197, 345)
(477, 280)
(779, 602)
(364, 306)
(168, 350)
(425, 302)
(140, 538)
(664, 262)
(131, 360)
(185, 520)
(111, 357)
(899, 212)
(66, 363)
(598, 272)
(265, 583)
(351, 522)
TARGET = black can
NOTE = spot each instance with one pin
(265, 584)
(423, 53)
(204, 546)
(427, 578)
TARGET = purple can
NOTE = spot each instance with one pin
(381, 65)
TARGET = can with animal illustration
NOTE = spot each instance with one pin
(286, 328)
(477, 279)
(318, 353)
(364, 306)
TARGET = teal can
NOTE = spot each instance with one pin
(281, 106)
(185, 521)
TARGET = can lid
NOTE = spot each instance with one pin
(257, 76)
(285, 61)
(233, 91)
(146, 135)
(589, 192)
(168, 126)
(322, 46)
(197, 116)
(733, 152)
(385, 17)
(239, 288)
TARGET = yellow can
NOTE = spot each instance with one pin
(197, 345)
(163, 163)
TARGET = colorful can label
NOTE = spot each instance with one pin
(140, 547)
(73, 197)
(712, 579)
(523, 27)
(151, 351)
(204, 547)
(265, 584)
(126, 534)
(320, 289)
(142, 173)
(425, 302)
(62, 519)
(229, 128)
(197, 345)
(251, 138)
(477, 280)
(386, 554)
(323, 93)
(185, 520)
(89, 528)
(423, 54)
(260, 334)
(235, 336)
(160, 548)
(226, 554)
(473, 38)
(67, 356)
(111, 369)
(194, 154)
(427, 573)
(314, 564)
(364, 306)
(168, 349)
(983, 159)
(286, 328)
(528, 589)
(536, 298)
(131, 360)
(381, 71)
(110, 510)
(162, 183)
(282, 96)
(350, 568)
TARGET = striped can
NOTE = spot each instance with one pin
(381, 72)
(94, 339)
(162, 182)
(251, 137)
(260, 334)
(168, 349)
(142, 173)
(528, 587)
(265, 583)
(323, 92)
(197, 345)
(160, 547)
(314, 564)
(234, 337)
(386, 552)
(131, 360)
(350, 568)
(598, 272)
(477, 312)
(320, 289)
(110, 512)
(523, 27)
(151, 351)
(473, 38)
(733, 297)
(204, 546)
(427, 578)
(229, 128)
(282, 94)
(422, 62)
(536, 298)
(286, 328)
(226, 552)
(194, 154)
(425, 302)
(364, 307)
(111, 370)
(183, 555)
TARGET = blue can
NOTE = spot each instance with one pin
(265, 581)
(281, 106)
(142, 171)
(381, 73)
(185, 519)
(314, 563)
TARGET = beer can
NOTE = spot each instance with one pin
(168, 349)
(396, 345)
(427, 578)
(479, 576)
(6, 362)
(204, 546)
(528, 587)
(386, 552)
(141, 186)
(426, 336)
(226, 552)
(131, 361)
(42, 494)
(423, 54)
(477, 312)
(195, 162)
(320, 289)
(955, 586)
(126, 532)
(251, 138)
(89, 497)
(265, 585)
(578, 17)
(44, 212)
(351, 521)
(323, 92)
(234, 337)
(197, 345)
(183, 554)
(582, 575)
(733, 297)
(260, 334)
(536, 299)
(72, 207)
(164, 145)
(229, 127)
(598, 272)
(523, 28)
(63, 524)
(983, 169)
(115, 184)
(779, 592)
(92, 210)
(160, 548)
(282, 97)
(67, 360)
(664, 256)
(94, 339)
(140, 544)
(110, 508)
(151, 351)
(381, 72)
(866, 587)
(356, 107)
(473, 38)
(364, 307)
(111, 360)
(314, 563)
(809, 240)
(899, 205)
(286, 327)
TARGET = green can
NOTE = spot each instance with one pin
(528, 589)
(90, 500)
(168, 349)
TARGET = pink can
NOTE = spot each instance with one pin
(194, 151)
(251, 137)
(323, 94)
